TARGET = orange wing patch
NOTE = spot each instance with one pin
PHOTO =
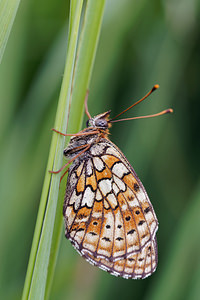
(106, 173)
(92, 182)
(110, 160)
(79, 170)
(81, 183)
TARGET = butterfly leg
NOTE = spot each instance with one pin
(63, 175)
(75, 134)
(86, 106)
(61, 133)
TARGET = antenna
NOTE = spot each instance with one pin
(166, 111)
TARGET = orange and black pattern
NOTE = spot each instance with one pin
(108, 216)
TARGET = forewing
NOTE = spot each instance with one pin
(107, 212)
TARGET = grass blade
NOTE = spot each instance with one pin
(36, 278)
(47, 237)
(8, 10)
(84, 65)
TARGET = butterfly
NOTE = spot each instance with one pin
(108, 216)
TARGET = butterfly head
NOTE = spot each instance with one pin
(100, 121)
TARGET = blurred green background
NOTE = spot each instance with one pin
(142, 43)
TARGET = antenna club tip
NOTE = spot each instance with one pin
(169, 111)
(155, 87)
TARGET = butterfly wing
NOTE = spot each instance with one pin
(108, 215)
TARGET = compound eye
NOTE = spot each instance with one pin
(87, 123)
(102, 123)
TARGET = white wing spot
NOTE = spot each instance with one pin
(103, 251)
(88, 198)
(112, 151)
(153, 226)
(98, 164)
(119, 268)
(97, 149)
(105, 186)
(79, 236)
(98, 195)
(106, 204)
(148, 269)
(97, 215)
(149, 216)
(72, 180)
(89, 168)
(75, 200)
(112, 200)
(115, 188)
(119, 183)
(69, 216)
(141, 196)
(88, 246)
(119, 169)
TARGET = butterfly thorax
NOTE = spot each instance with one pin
(97, 129)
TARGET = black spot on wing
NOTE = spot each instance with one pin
(131, 231)
(106, 239)
(131, 259)
(147, 210)
(136, 187)
(141, 222)
(119, 238)
(140, 259)
(92, 233)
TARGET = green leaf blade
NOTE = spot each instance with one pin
(8, 11)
